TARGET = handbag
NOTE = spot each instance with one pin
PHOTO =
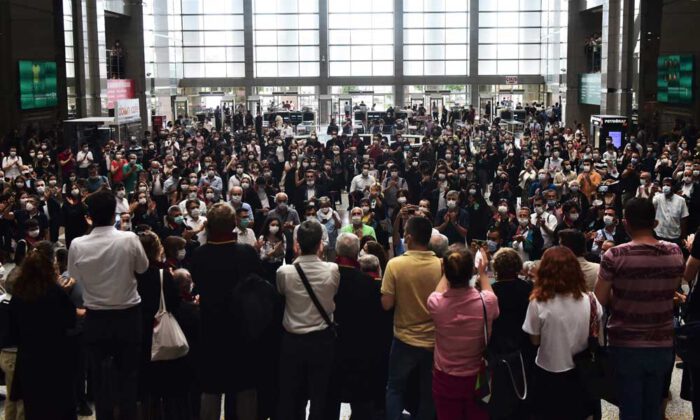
(687, 336)
(594, 366)
(482, 387)
(331, 325)
(169, 341)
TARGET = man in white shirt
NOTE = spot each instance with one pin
(192, 195)
(671, 213)
(11, 164)
(103, 263)
(246, 236)
(546, 221)
(84, 160)
(308, 341)
(195, 221)
(360, 184)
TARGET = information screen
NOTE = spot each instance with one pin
(589, 89)
(37, 84)
(674, 82)
(616, 137)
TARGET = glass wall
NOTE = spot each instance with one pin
(436, 37)
(509, 36)
(212, 38)
(272, 97)
(70, 54)
(285, 36)
(361, 37)
(452, 95)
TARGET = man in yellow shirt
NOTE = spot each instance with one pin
(407, 283)
(589, 179)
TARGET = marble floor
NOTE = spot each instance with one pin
(677, 409)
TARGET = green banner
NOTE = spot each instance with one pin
(37, 84)
(675, 79)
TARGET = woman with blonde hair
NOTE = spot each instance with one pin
(558, 319)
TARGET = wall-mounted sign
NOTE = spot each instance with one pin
(127, 110)
(119, 89)
(511, 80)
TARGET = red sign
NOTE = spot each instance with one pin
(511, 80)
(119, 89)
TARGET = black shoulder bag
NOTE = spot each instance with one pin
(594, 365)
(331, 325)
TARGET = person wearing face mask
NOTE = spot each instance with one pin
(84, 159)
(553, 163)
(289, 218)
(116, 168)
(192, 193)
(213, 181)
(356, 225)
(542, 184)
(571, 218)
(175, 251)
(360, 184)
(73, 214)
(611, 231)
(453, 221)
(589, 179)
(124, 222)
(671, 213)
(545, 220)
(391, 186)
(94, 180)
(331, 221)
(122, 202)
(196, 222)
(143, 211)
(310, 190)
(236, 200)
(564, 177)
(131, 171)
(527, 239)
(174, 224)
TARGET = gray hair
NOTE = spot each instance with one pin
(439, 244)
(347, 245)
(369, 262)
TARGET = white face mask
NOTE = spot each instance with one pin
(195, 213)
(33, 233)
(401, 200)
(451, 204)
(608, 220)
(181, 253)
(573, 216)
(274, 229)
(29, 207)
(503, 209)
(523, 221)
(356, 220)
(142, 201)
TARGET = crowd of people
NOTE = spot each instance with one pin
(467, 243)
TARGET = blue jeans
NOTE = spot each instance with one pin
(402, 360)
(642, 376)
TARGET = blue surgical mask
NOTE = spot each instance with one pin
(179, 220)
(493, 246)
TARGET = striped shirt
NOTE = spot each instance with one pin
(644, 279)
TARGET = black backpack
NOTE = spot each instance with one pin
(254, 303)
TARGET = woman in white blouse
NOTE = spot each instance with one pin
(558, 320)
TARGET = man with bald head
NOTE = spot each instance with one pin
(289, 219)
(235, 195)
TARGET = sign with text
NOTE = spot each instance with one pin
(127, 110)
(511, 80)
(119, 89)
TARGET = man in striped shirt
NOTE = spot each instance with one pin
(637, 282)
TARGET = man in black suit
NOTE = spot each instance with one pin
(311, 189)
(229, 358)
(365, 333)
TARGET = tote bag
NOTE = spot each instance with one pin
(169, 341)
